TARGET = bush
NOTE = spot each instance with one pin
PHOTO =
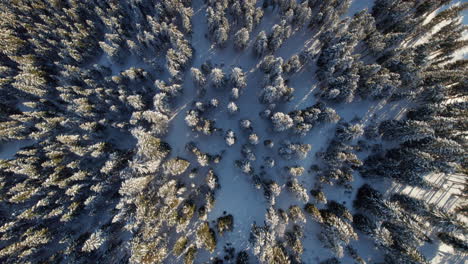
(225, 223)
(242, 258)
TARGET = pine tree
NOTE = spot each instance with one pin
(230, 137)
(238, 78)
(295, 187)
(292, 65)
(241, 38)
(199, 80)
(453, 241)
(206, 237)
(221, 36)
(289, 150)
(232, 108)
(217, 78)
(176, 166)
(303, 13)
(281, 121)
(261, 44)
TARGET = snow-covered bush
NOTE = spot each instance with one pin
(281, 121)
(230, 137)
(217, 78)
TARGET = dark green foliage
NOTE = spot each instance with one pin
(330, 261)
(364, 224)
(180, 246)
(314, 212)
(339, 210)
(242, 258)
(207, 236)
(189, 257)
(371, 200)
(410, 204)
(225, 223)
(318, 195)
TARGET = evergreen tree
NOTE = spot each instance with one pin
(241, 38)
(281, 121)
(217, 78)
(261, 44)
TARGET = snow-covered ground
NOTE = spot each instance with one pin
(359, 5)
(9, 149)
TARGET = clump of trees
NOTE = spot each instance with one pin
(339, 159)
(275, 88)
(310, 117)
(206, 237)
(293, 150)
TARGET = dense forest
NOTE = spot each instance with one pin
(233, 131)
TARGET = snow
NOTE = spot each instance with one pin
(121, 139)
(359, 5)
(22, 107)
(8, 149)
(465, 17)
(447, 196)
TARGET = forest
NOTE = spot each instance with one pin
(234, 131)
